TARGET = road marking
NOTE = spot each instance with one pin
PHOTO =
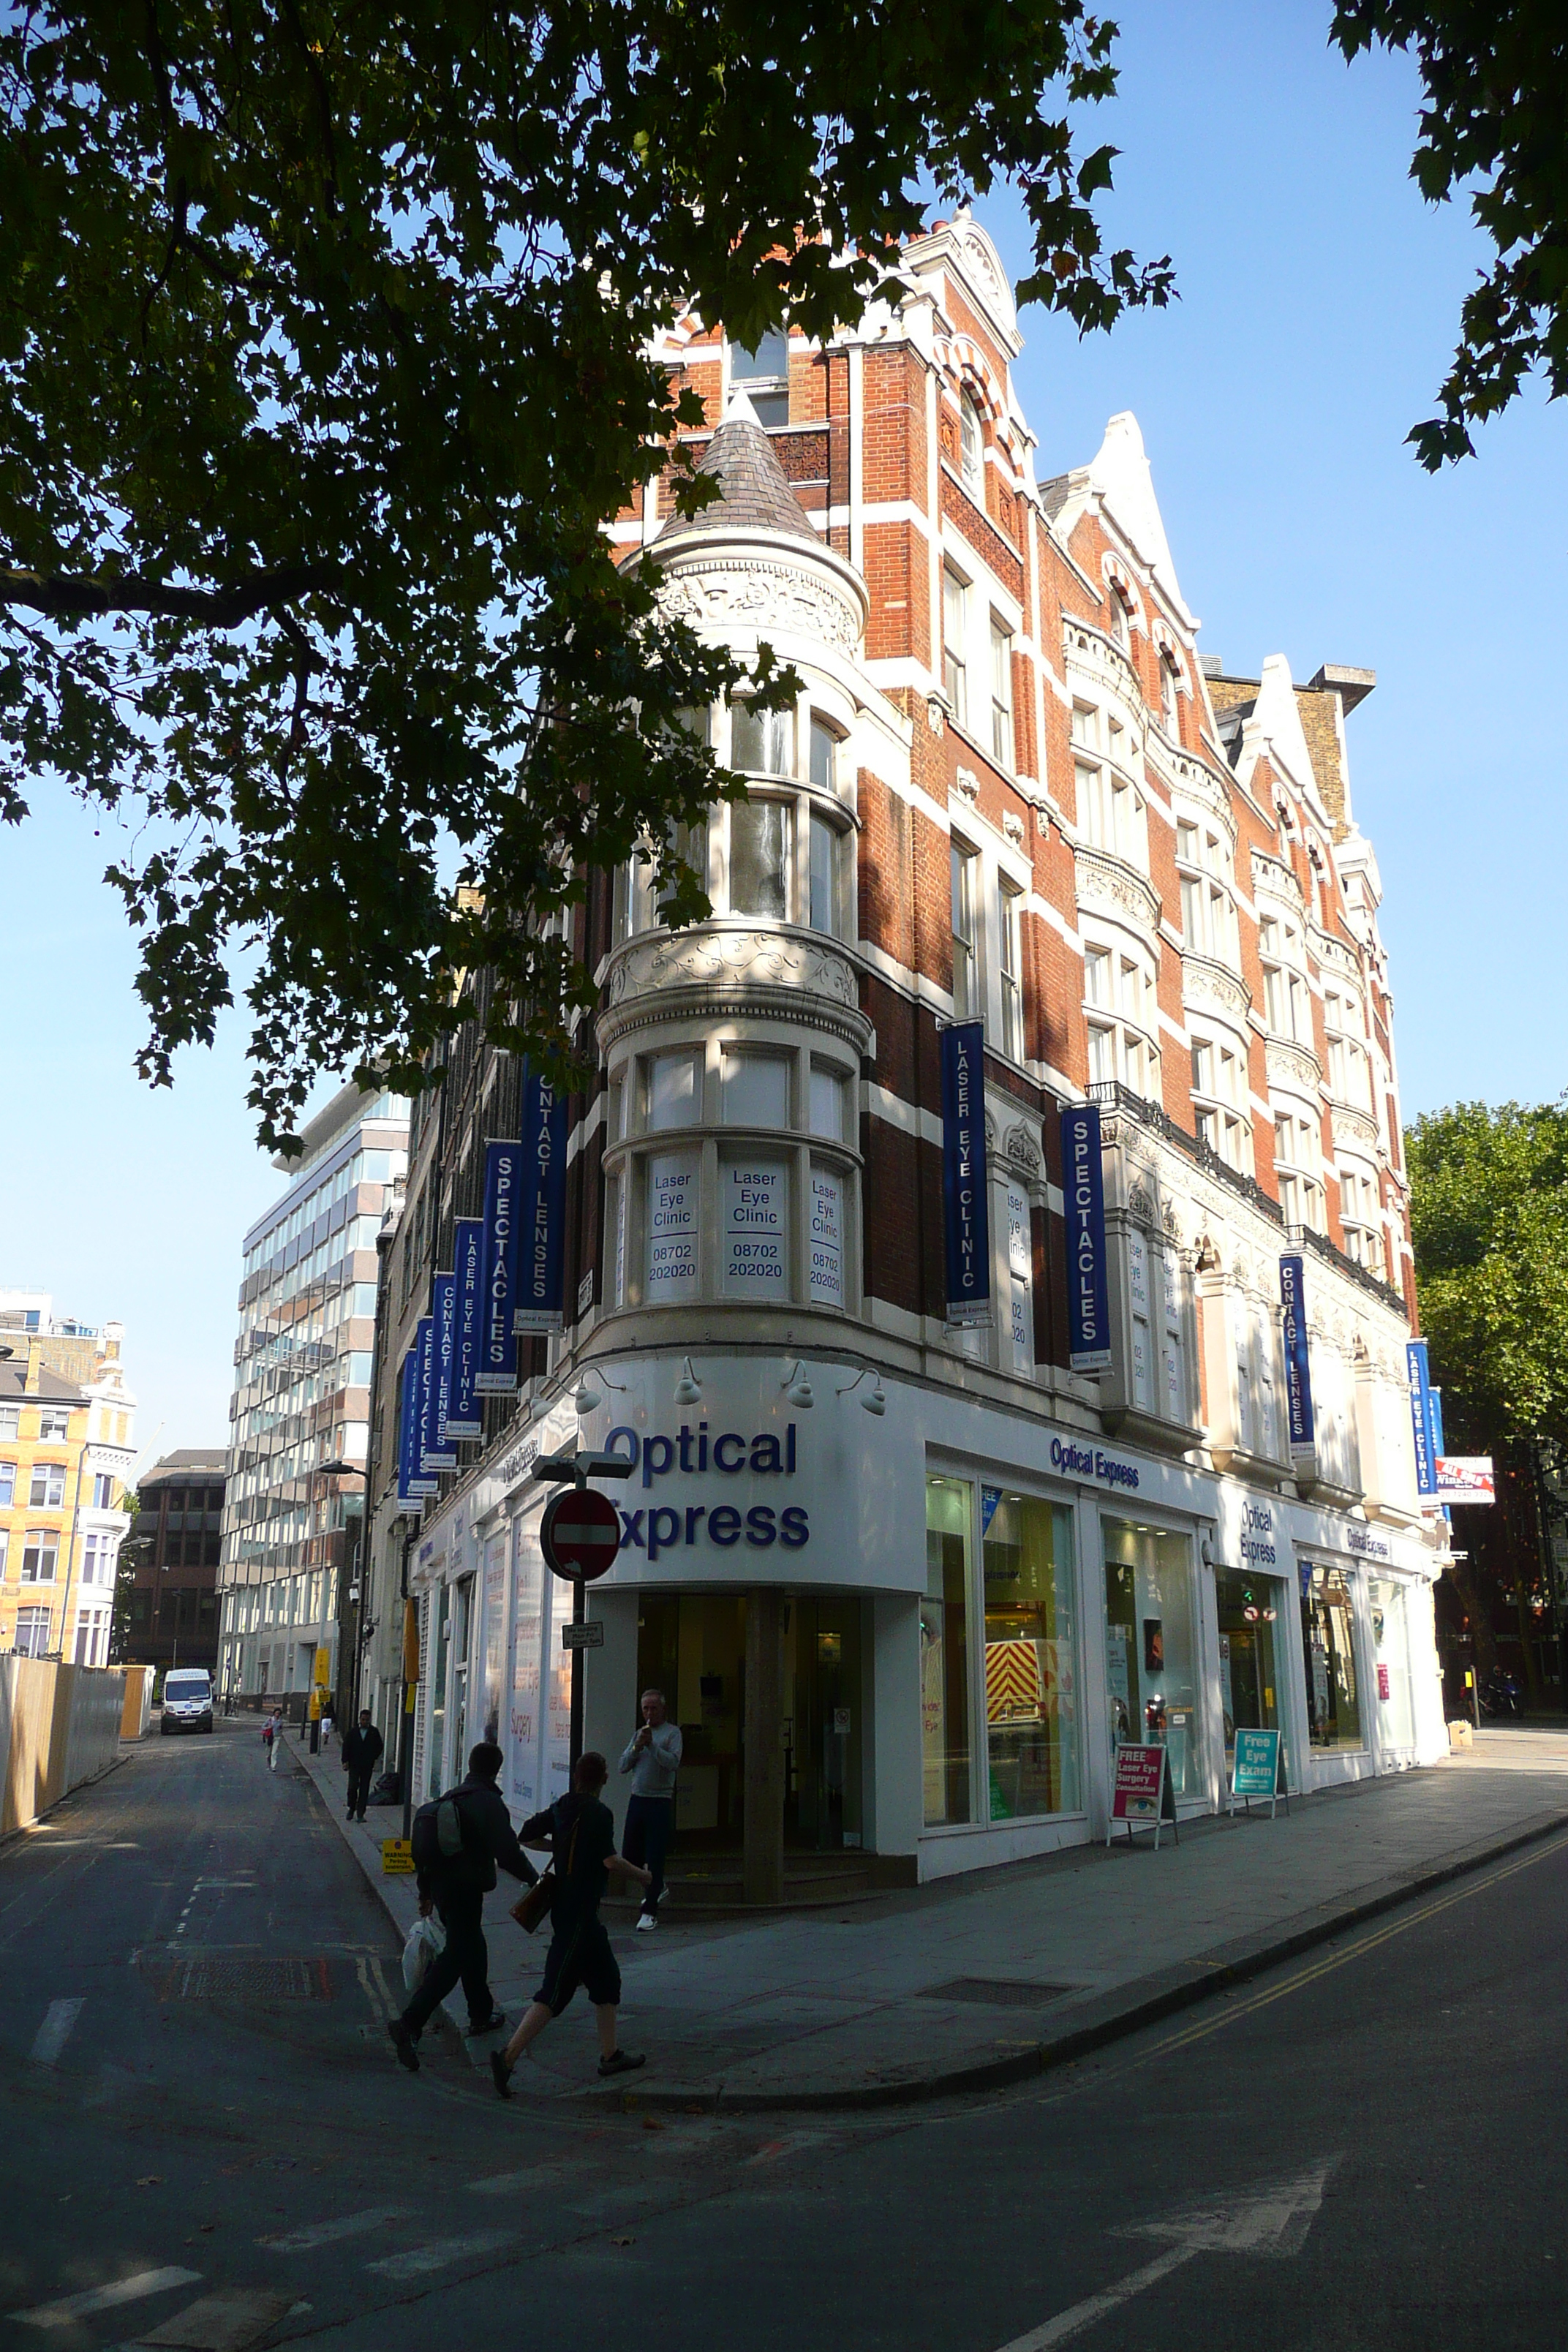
(1272, 2223)
(534, 2176)
(103, 2298)
(417, 2262)
(375, 1987)
(327, 2233)
(1367, 1943)
(54, 2033)
(791, 2145)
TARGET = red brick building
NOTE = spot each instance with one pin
(1011, 791)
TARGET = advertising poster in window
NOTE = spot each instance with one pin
(1088, 1289)
(755, 1224)
(523, 1724)
(671, 1224)
(542, 1226)
(1297, 1366)
(827, 1237)
(463, 1416)
(965, 1208)
(556, 1612)
(496, 1375)
(1020, 1276)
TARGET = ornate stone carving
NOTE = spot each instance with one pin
(990, 1137)
(1104, 880)
(1274, 879)
(1292, 1067)
(1012, 826)
(1330, 950)
(936, 717)
(735, 968)
(1354, 1129)
(718, 590)
(966, 781)
(1140, 1205)
(1042, 820)
(1023, 1150)
(1100, 661)
(1171, 1223)
(1206, 983)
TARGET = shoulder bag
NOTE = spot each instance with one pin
(535, 1902)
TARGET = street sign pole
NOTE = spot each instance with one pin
(583, 1547)
(579, 1612)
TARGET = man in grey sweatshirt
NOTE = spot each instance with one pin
(652, 1757)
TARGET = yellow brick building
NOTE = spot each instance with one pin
(67, 1430)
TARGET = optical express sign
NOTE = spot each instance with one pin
(654, 1527)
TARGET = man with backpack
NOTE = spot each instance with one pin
(580, 1830)
(457, 1841)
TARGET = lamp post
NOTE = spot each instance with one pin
(335, 1468)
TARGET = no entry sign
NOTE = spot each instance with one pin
(580, 1533)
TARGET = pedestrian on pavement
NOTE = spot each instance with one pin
(455, 1887)
(272, 1737)
(652, 1757)
(363, 1746)
(579, 1831)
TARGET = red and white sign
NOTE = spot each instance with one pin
(1466, 1478)
(580, 1533)
(1140, 1784)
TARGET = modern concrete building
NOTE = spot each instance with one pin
(908, 1576)
(302, 1395)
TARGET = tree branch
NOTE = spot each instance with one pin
(65, 597)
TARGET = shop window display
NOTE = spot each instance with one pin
(944, 1651)
(1151, 1645)
(1031, 1655)
(1327, 1640)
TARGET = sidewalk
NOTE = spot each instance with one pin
(972, 1983)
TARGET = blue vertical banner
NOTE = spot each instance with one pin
(1088, 1282)
(542, 1220)
(412, 1484)
(1421, 1425)
(464, 1418)
(966, 1219)
(441, 1452)
(424, 1444)
(496, 1375)
(1297, 1364)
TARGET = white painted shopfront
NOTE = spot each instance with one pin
(978, 1606)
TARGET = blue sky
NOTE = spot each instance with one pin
(1319, 303)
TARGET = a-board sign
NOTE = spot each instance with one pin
(1141, 1794)
(396, 1857)
(1257, 1770)
(580, 1533)
(588, 1636)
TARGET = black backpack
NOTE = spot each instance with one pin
(438, 1835)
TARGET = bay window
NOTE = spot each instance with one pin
(761, 843)
(1120, 1009)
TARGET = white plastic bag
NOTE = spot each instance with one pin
(426, 1941)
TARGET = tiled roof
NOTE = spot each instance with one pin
(186, 1458)
(754, 493)
(51, 1389)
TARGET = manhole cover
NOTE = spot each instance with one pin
(268, 1979)
(997, 1992)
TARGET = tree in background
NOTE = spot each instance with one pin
(324, 331)
(1494, 127)
(1489, 1212)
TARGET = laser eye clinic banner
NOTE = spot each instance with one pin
(966, 1218)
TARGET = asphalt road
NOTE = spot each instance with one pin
(1364, 2149)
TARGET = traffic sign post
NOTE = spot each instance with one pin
(579, 1535)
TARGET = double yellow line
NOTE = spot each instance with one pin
(1399, 1926)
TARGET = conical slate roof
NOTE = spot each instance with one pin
(754, 492)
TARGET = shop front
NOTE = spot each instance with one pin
(1154, 1682)
(1337, 1731)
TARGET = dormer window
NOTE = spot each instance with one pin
(761, 371)
(971, 448)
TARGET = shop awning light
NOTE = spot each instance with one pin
(688, 1388)
(796, 1385)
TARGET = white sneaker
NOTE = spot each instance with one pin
(647, 1923)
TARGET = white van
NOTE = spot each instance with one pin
(187, 1700)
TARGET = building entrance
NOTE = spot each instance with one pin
(692, 1646)
(1249, 1622)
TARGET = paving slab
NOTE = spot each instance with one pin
(982, 1981)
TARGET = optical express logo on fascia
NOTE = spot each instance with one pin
(697, 1454)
